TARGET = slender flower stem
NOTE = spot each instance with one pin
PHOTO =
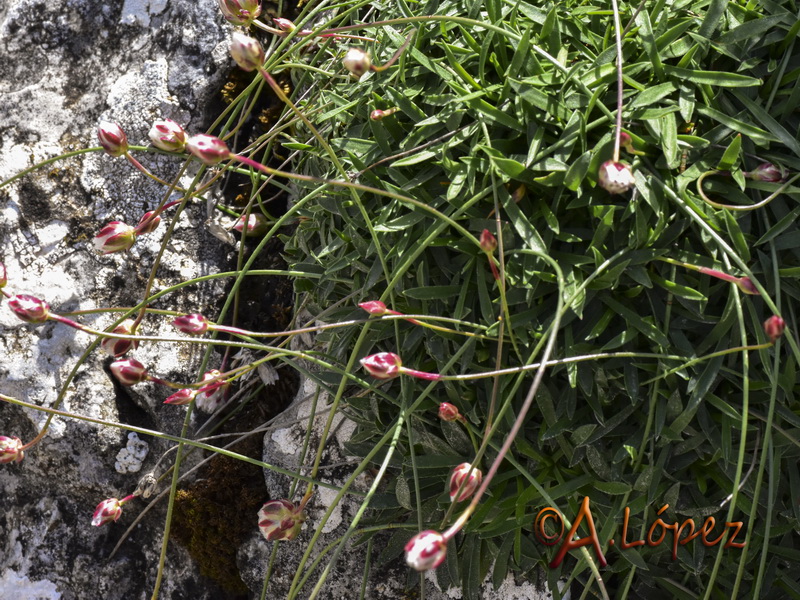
(618, 37)
(739, 207)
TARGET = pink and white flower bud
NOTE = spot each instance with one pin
(115, 237)
(194, 324)
(112, 138)
(378, 114)
(357, 61)
(181, 397)
(467, 476)
(167, 135)
(284, 24)
(280, 520)
(208, 148)
(210, 397)
(118, 346)
(374, 307)
(257, 224)
(246, 52)
(148, 223)
(10, 449)
(240, 12)
(774, 327)
(488, 241)
(747, 286)
(29, 308)
(384, 365)
(426, 550)
(129, 371)
(615, 177)
(107, 511)
(449, 412)
(766, 172)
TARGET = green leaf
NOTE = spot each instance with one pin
(731, 155)
(720, 78)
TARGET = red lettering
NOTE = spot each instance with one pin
(729, 543)
(569, 544)
(706, 529)
(625, 545)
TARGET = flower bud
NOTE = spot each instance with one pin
(240, 12)
(148, 223)
(488, 241)
(426, 550)
(468, 476)
(774, 327)
(3, 276)
(112, 138)
(115, 237)
(284, 24)
(194, 324)
(209, 149)
(384, 365)
(167, 135)
(117, 346)
(280, 520)
(29, 308)
(374, 307)
(747, 286)
(181, 397)
(449, 412)
(210, 397)
(257, 224)
(10, 449)
(129, 371)
(765, 172)
(107, 511)
(246, 52)
(615, 177)
(357, 61)
(378, 114)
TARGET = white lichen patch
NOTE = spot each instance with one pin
(22, 588)
(131, 457)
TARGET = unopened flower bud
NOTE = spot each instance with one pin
(284, 24)
(774, 327)
(181, 397)
(29, 308)
(209, 149)
(766, 172)
(115, 237)
(280, 520)
(357, 61)
(488, 241)
(194, 324)
(246, 52)
(148, 223)
(426, 550)
(112, 138)
(118, 346)
(10, 449)
(257, 224)
(129, 371)
(378, 114)
(108, 511)
(384, 365)
(615, 177)
(374, 307)
(167, 135)
(210, 397)
(240, 12)
(464, 474)
(747, 286)
(449, 412)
